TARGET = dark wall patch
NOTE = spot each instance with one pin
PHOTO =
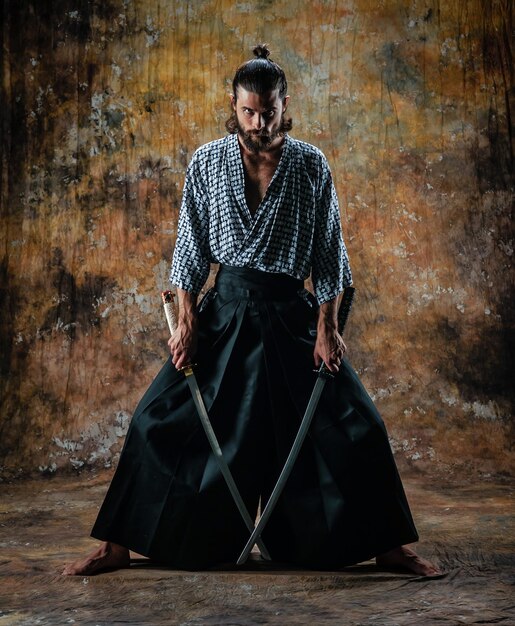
(76, 305)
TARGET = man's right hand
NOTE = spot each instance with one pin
(183, 343)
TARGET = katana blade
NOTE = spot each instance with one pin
(198, 400)
(288, 466)
(217, 451)
(323, 375)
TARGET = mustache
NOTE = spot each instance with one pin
(264, 134)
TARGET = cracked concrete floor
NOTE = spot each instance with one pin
(468, 528)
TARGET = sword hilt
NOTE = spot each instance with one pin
(168, 298)
(344, 310)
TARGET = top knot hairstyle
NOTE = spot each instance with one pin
(261, 51)
(260, 75)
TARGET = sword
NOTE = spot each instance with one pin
(324, 374)
(191, 379)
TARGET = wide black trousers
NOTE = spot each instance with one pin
(344, 501)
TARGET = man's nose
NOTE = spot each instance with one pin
(259, 121)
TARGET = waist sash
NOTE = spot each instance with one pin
(252, 284)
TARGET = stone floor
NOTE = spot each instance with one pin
(468, 528)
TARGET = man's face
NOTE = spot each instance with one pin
(259, 118)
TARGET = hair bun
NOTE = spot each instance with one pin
(261, 51)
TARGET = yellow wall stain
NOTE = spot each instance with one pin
(103, 106)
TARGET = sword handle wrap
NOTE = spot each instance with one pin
(168, 298)
(344, 310)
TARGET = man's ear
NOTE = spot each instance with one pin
(233, 101)
(285, 102)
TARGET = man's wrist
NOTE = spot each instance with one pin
(327, 317)
(188, 317)
(326, 330)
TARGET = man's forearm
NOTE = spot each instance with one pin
(329, 346)
(183, 343)
(328, 315)
(187, 307)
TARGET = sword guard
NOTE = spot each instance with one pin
(324, 372)
(187, 369)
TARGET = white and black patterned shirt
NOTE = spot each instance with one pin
(296, 229)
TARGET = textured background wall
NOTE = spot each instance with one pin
(103, 104)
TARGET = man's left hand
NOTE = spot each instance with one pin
(329, 346)
(330, 349)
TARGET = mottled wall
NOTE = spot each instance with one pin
(103, 104)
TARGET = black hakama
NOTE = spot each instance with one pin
(344, 501)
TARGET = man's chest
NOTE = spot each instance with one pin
(258, 175)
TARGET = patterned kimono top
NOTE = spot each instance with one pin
(296, 229)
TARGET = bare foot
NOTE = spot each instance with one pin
(408, 559)
(106, 556)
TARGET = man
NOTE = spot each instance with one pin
(263, 205)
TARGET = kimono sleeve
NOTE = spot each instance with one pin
(191, 257)
(330, 270)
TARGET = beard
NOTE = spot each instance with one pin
(257, 140)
